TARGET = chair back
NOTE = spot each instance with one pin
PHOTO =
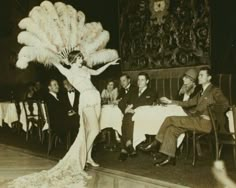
(32, 110)
(45, 115)
(218, 118)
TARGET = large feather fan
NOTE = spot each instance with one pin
(53, 28)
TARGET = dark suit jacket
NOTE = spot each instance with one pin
(124, 97)
(212, 95)
(66, 102)
(72, 122)
(56, 112)
(148, 97)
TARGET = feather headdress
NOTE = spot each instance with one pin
(53, 30)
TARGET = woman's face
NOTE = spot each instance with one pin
(79, 61)
(110, 86)
(187, 80)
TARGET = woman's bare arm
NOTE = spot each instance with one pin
(103, 68)
(62, 69)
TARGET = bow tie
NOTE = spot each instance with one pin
(71, 91)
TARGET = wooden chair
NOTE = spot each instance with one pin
(196, 137)
(221, 131)
(33, 117)
(218, 119)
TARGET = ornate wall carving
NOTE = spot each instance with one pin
(158, 34)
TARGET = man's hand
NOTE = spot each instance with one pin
(129, 109)
(71, 113)
(165, 100)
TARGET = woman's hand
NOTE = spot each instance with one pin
(115, 62)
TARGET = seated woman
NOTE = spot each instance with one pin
(111, 115)
(153, 116)
(110, 93)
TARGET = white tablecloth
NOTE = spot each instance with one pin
(111, 116)
(148, 120)
(8, 113)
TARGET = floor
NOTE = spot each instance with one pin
(15, 162)
(137, 169)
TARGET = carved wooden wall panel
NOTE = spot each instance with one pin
(158, 34)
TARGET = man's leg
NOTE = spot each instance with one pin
(127, 136)
(127, 130)
(169, 143)
(162, 131)
(176, 125)
(155, 145)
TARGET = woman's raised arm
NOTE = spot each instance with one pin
(103, 68)
(61, 69)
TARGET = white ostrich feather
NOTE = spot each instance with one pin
(80, 26)
(101, 56)
(30, 39)
(90, 31)
(54, 23)
(29, 25)
(73, 25)
(98, 43)
(52, 28)
(42, 55)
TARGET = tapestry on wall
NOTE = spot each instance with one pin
(157, 34)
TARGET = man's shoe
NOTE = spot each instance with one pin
(157, 156)
(130, 149)
(154, 146)
(166, 161)
(123, 156)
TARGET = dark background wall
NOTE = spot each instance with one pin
(223, 35)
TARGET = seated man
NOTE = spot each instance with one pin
(56, 110)
(198, 118)
(140, 97)
(126, 89)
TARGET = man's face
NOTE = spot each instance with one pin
(142, 81)
(67, 85)
(203, 77)
(124, 81)
(53, 87)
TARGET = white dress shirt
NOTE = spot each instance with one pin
(71, 96)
